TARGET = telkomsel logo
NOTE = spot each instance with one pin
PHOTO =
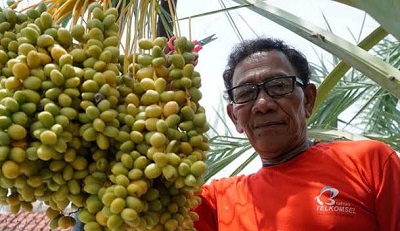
(329, 203)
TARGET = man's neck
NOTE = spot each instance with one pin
(284, 158)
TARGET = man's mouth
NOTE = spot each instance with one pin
(268, 124)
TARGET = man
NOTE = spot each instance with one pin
(302, 186)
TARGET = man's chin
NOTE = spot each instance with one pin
(270, 144)
(269, 133)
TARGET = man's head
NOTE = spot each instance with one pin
(270, 96)
(248, 47)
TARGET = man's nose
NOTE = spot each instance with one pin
(264, 103)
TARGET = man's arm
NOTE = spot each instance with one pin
(206, 211)
(387, 202)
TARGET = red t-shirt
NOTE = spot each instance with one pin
(343, 186)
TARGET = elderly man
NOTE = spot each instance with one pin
(302, 186)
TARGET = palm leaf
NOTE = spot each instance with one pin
(225, 150)
(341, 68)
(329, 135)
(374, 112)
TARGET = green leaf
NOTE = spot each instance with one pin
(341, 68)
(225, 150)
(328, 135)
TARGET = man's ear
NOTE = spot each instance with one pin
(229, 109)
(310, 94)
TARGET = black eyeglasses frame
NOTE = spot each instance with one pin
(294, 78)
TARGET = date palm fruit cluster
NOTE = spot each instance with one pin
(124, 149)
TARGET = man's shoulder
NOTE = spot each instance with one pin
(359, 148)
(358, 145)
(232, 181)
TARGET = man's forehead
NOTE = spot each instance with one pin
(262, 65)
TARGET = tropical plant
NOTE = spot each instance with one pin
(374, 112)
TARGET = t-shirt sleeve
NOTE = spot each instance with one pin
(207, 210)
(387, 203)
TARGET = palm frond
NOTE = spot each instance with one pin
(375, 112)
(225, 150)
(341, 68)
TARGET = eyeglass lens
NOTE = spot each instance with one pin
(273, 87)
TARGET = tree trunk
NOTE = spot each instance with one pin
(161, 30)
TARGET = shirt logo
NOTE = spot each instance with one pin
(326, 196)
(330, 203)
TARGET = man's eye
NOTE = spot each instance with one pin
(244, 90)
(278, 85)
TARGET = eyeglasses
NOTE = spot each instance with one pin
(275, 87)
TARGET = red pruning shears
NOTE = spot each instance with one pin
(199, 44)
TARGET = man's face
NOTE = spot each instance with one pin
(274, 126)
